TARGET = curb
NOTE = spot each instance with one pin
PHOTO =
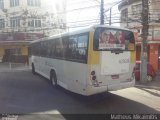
(149, 87)
(13, 70)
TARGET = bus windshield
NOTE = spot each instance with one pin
(113, 39)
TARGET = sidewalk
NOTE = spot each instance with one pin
(13, 66)
(155, 84)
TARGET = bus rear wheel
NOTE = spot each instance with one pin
(33, 69)
(53, 78)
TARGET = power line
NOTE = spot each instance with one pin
(91, 7)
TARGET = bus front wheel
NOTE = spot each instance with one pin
(53, 78)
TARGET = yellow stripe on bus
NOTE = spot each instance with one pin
(93, 56)
(133, 56)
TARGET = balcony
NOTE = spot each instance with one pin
(20, 36)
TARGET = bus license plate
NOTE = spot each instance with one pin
(115, 76)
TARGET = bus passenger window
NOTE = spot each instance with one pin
(82, 46)
(73, 46)
(66, 52)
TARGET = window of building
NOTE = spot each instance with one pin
(124, 15)
(35, 23)
(136, 9)
(1, 4)
(15, 51)
(15, 21)
(2, 23)
(34, 3)
(14, 3)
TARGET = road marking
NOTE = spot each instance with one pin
(9, 117)
(48, 112)
(150, 87)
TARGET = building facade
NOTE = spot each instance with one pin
(131, 18)
(22, 21)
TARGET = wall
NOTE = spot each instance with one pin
(1, 51)
(138, 52)
(24, 51)
(132, 19)
(154, 31)
(153, 57)
(45, 11)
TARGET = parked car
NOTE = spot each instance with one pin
(150, 71)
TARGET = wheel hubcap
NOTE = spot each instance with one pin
(149, 78)
(53, 80)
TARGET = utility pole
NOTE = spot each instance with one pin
(102, 12)
(145, 27)
(110, 16)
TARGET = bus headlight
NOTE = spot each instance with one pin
(93, 77)
(93, 73)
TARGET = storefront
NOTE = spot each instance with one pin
(153, 53)
(14, 52)
(14, 47)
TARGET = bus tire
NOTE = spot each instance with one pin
(53, 78)
(33, 69)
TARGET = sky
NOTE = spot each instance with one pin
(87, 12)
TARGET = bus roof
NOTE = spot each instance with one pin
(83, 30)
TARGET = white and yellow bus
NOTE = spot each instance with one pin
(89, 61)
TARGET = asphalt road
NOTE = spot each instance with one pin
(23, 93)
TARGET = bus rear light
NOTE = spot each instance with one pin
(93, 73)
(94, 78)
